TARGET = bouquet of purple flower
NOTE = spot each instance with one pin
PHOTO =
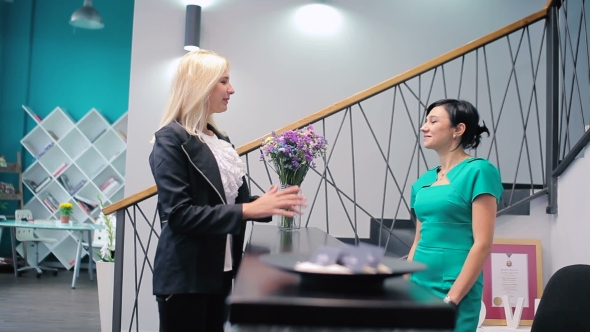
(293, 153)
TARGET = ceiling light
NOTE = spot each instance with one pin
(192, 28)
(86, 17)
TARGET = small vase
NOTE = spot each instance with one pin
(64, 219)
(288, 241)
(288, 223)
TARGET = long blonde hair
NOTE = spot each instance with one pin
(188, 100)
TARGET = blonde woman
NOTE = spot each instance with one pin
(203, 199)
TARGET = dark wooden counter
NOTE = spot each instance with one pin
(265, 296)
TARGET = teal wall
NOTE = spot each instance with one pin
(15, 55)
(45, 63)
(13, 73)
(48, 63)
(2, 21)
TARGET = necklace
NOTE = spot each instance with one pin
(441, 174)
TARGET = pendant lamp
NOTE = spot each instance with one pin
(86, 17)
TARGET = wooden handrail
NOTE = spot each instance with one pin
(131, 200)
(358, 97)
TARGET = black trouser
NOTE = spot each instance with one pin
(195, 312)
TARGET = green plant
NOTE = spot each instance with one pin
(107, 252)
(65, 209)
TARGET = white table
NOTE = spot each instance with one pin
(81, 228)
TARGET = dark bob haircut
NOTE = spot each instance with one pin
(461, 111)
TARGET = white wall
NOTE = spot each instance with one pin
(571, 228)
(281, 75)
(536, 226)
(564, 236)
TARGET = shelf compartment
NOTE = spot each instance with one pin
(78, 212)
(90, 194)
(40, 211)
(36, 177)
(55, 160)
(32, 114)
(110, 145)
(108, 181)
(52, 196)
(91, 162)
(72, 179)
(58, 123)
(118, 195)
(65, 251)
(74, 144)
(119, 163)
(37, 142)
(120, 127)
(93, 125)
(89, 198)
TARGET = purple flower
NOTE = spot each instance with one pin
(293, 153)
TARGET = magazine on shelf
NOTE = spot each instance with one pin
(32, 184)
(60, 169)
(86, 200)
(77, 186)
(65, 182)
(45, 149)
(85, 207)
(43, 184)
(111, 188)
(107, 182)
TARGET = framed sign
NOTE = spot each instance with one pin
(515, 269)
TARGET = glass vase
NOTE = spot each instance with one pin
(288, 223)
(288, 241)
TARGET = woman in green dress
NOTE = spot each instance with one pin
(455, 206)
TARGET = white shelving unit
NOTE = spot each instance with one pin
(75, 162)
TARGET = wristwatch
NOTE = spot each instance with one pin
(448, 300)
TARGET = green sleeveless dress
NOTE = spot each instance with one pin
(446, 233)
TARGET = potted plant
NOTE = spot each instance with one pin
(65, 211)
(105, 270)
(292, 153)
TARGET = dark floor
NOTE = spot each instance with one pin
(48, 304)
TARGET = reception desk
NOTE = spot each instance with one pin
(269, 299)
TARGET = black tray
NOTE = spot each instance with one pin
(287, 261)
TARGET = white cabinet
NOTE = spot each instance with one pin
(75, 162)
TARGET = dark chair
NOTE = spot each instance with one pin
(565, 304)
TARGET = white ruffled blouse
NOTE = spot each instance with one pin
(232, 169)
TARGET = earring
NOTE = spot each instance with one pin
(454, 136)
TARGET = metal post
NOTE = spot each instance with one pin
(552, 104)
(118, 280)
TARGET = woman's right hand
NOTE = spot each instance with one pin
(285, 202)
